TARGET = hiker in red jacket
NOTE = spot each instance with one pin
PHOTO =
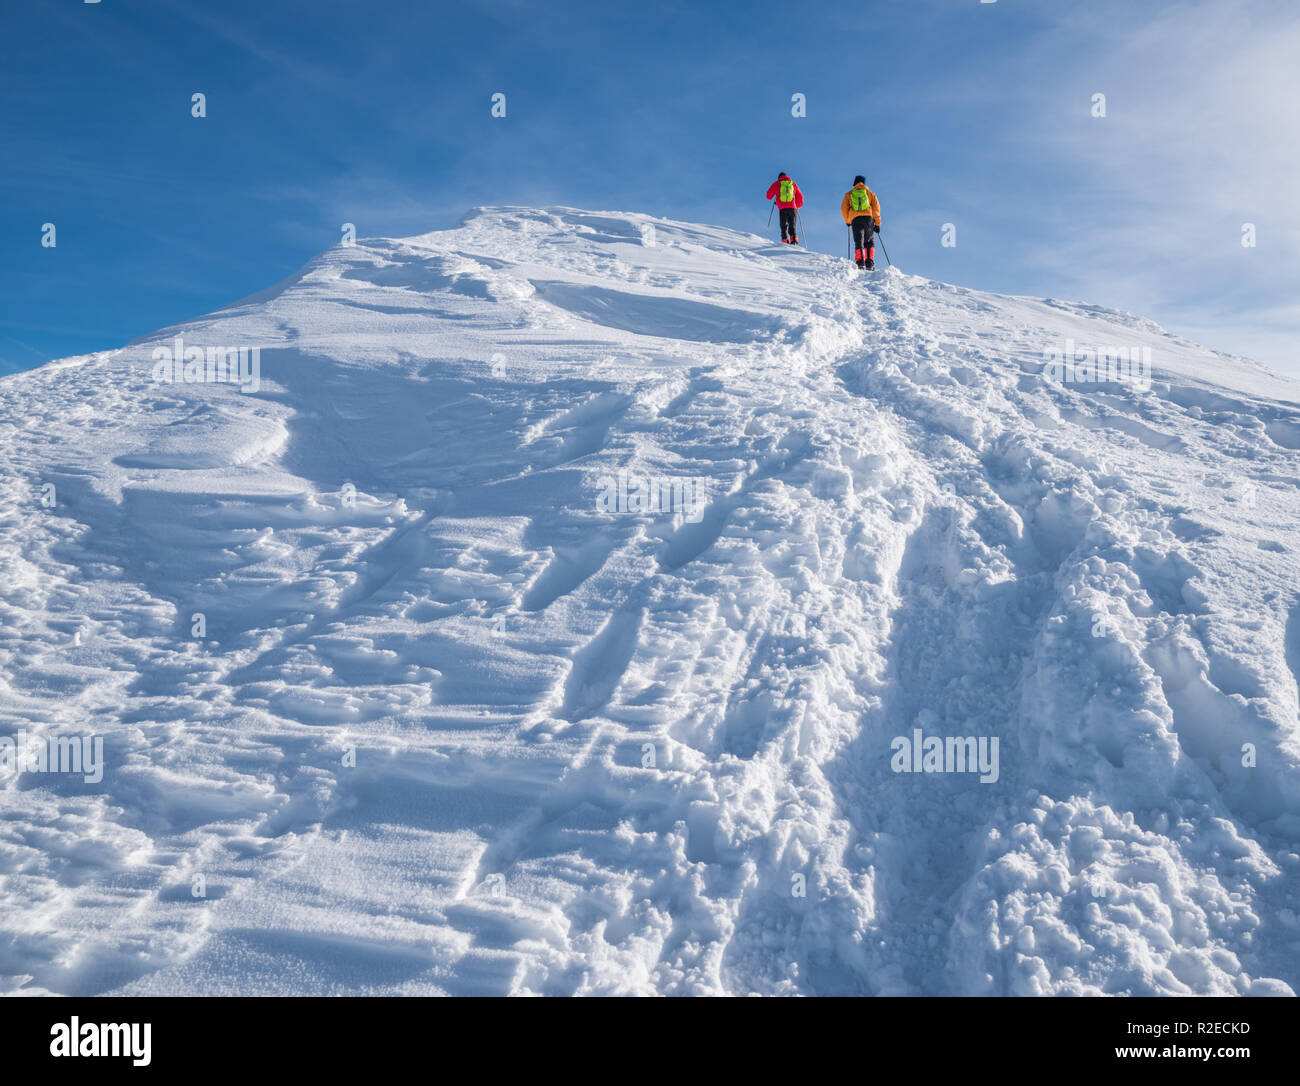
(788, 199)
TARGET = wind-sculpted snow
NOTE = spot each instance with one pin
(589, 603)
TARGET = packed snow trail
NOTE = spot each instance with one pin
(460, 721)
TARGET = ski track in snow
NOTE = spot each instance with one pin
(397, 549)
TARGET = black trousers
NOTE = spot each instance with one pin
(864, 231)
(787, 223)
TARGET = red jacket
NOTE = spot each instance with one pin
(776, 188)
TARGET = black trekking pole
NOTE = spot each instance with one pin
(769, 215)
(882, 247)
(801, 233)
(848, 241)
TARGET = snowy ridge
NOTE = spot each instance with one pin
(601, 750)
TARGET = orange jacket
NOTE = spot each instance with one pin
(848, 212)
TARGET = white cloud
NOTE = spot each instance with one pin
(1200, 137)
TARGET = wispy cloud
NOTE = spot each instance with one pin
(1200, 137)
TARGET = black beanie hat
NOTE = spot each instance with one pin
(781, 175)
(859, 180)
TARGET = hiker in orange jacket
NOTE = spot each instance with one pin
(789, 199)
(861, 210)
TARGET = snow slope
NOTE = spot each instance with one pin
(604, 751)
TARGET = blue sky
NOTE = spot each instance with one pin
(321, 112)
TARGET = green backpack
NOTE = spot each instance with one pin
(859, 199)
(787, 191)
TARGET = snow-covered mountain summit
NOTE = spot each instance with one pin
(581, 602)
